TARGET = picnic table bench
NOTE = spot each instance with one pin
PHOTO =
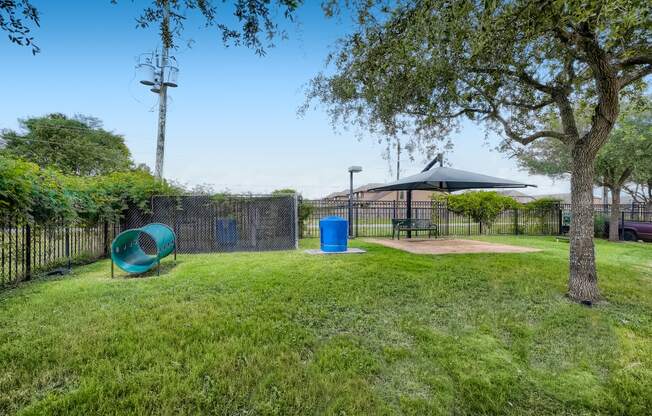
(412, 224)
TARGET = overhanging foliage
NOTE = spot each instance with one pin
(44, 194)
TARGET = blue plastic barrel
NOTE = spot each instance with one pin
(333, 234)
(226, 232)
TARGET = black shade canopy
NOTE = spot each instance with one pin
(449, 180)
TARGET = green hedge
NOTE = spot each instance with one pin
(30, 192)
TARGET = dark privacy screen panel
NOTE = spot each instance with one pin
(205, 224)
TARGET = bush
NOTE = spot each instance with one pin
(541, 210)
(543, 203)
(28, 191)
(600, 226)
(482, 207)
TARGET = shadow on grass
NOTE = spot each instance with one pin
(165, 268)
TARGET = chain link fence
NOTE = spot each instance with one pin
(208, 224)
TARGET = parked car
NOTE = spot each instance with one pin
(633, 230)
(637, 230)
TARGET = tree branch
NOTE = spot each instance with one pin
(524, 140)
(532, 107)
(634, 76)
(624, 176)
(642, 59)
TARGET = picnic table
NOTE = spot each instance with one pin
(413, 224)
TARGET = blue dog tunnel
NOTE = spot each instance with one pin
(333, 234)
(128, 254)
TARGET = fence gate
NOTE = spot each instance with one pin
(205, 224)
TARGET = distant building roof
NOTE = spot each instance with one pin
(344, 193)
(564, 197)
(518, 196)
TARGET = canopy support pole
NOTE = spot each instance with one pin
(408, 214)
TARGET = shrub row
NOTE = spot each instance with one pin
(34, 193)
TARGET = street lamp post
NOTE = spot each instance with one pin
(352, 170)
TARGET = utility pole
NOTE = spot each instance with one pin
(160, 72)
(162, 113)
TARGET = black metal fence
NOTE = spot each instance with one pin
(374, 219)
(28, 249)
(602, 214)
(205, 224)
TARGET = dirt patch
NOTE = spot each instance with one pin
(450, 246)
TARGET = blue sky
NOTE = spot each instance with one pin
(233, 120)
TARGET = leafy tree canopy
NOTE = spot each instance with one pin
(627, 152)
(430, 63)
(74, 146)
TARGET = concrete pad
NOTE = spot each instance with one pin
(350, 250)
(450, 246)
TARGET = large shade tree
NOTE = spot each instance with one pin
(75, 146)
(428, 64)
(625, 156)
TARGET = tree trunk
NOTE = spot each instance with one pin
(583, 280)
(614, 216)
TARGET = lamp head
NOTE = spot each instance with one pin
(355, 169)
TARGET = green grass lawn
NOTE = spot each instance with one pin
(287, 333)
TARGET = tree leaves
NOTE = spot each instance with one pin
(75, 146)
(16, 17)
(254, 25)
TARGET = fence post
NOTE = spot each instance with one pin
(515, 221)
(469, 226)
(357, 218)
(28, 252)
(68, 245)
(297, 226)
(106, 238)
(559, 219)
(621, 227)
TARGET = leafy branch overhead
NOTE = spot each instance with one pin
(250, 23)
(16, 18)
(434, 62)
(626, 154)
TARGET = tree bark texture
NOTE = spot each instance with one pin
(583, 279)
(614, 215)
